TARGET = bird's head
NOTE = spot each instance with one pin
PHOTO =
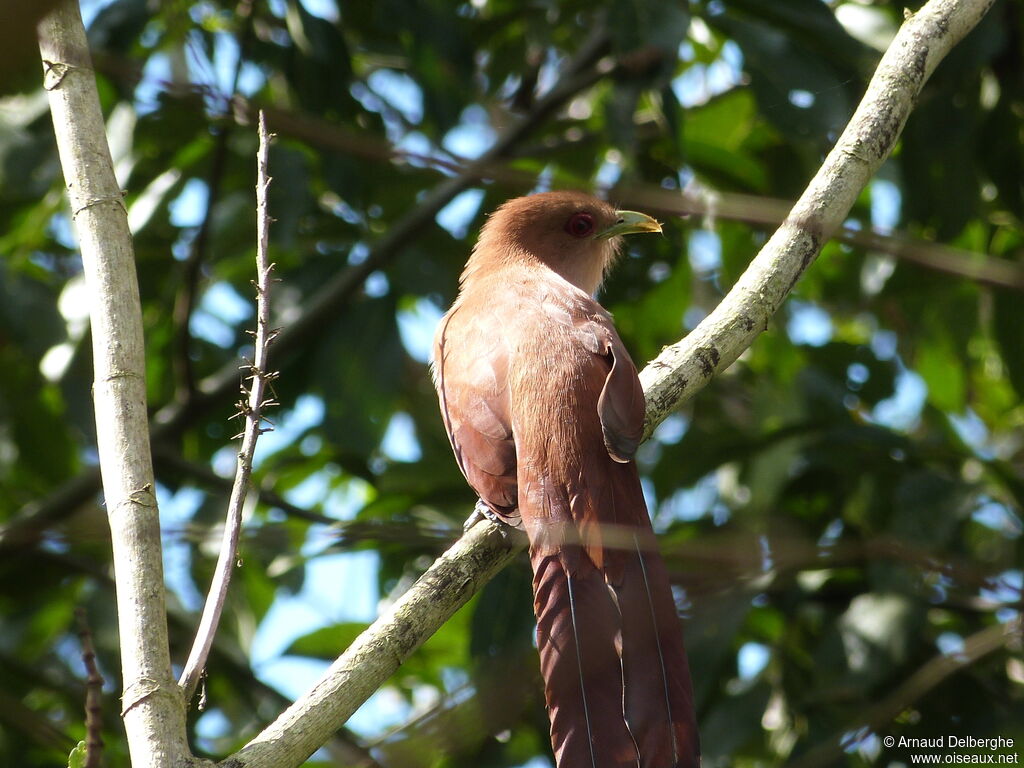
(572, 233)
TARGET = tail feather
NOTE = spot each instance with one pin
(657, 695)
(611, 646)
(579, 638)
(616, 677)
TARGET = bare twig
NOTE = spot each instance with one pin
(154, 717)
(251, 408)
(454, 577)
(93, 688)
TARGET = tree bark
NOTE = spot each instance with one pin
(152, 706)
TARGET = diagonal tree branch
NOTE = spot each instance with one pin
(375, 655)
(676, 375)
(153, 714)
(684, 368)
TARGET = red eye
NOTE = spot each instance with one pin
(580, 224)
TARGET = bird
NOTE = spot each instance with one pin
(544, 411)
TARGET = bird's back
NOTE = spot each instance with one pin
(516, 374)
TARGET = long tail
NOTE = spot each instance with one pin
(616, 678)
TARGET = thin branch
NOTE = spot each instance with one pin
(191, 269)
(153, 714)
(924, 39)
(39, 515)
(252, 409)
(93, 689)
(32, 723)
(938, 257)
(346, 533)
(345, 747)
(462, 720)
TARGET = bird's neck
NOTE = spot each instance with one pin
(514, 265)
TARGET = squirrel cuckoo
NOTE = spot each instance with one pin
(544, 411)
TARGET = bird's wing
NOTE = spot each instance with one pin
(620, 406)
(471, 375)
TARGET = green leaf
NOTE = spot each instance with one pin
(802, 93)
(717, 137)
(327, 642)
(359, 371)
(942, 371)
(78, 755)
